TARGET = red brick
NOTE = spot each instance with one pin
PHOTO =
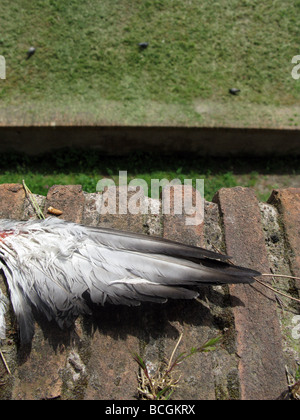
(128, 222)
(176, 225)
(288, 203)
(11, 201)
(67, 198)
(112, 372)
(261, 367)
(194, 319)
(39, 376)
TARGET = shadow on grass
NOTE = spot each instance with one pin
(86, 167)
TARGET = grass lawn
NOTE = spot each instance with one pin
(88, 68)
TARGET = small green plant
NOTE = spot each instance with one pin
(162, 384)
(297, 375)
(294, 384)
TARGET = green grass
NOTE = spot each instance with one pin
(86, 168)
(40, 183)
(89, 69)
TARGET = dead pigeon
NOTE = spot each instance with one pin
(59, 267)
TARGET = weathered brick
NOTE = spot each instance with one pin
(194, 319)
(29, 210)
(119, 217)
(38, 375)
(67, 198)
(112, 372)
(225, 360)
(91, 209)
(261, 367)
(11, 201)
(288, 203)
(176, 226)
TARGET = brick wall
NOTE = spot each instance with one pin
(94, 361)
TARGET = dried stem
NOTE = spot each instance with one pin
(276, 291)
(33, 202)
(4, 362)
(281, 275)
(174, 351)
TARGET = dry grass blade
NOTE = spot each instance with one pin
(4, 362)
(174, 351)
(35, 205)
(277, 291)
(281, 275)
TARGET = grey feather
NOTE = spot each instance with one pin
(53, 265)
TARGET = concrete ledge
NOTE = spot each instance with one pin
(117, 140)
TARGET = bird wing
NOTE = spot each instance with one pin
(59, 266)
